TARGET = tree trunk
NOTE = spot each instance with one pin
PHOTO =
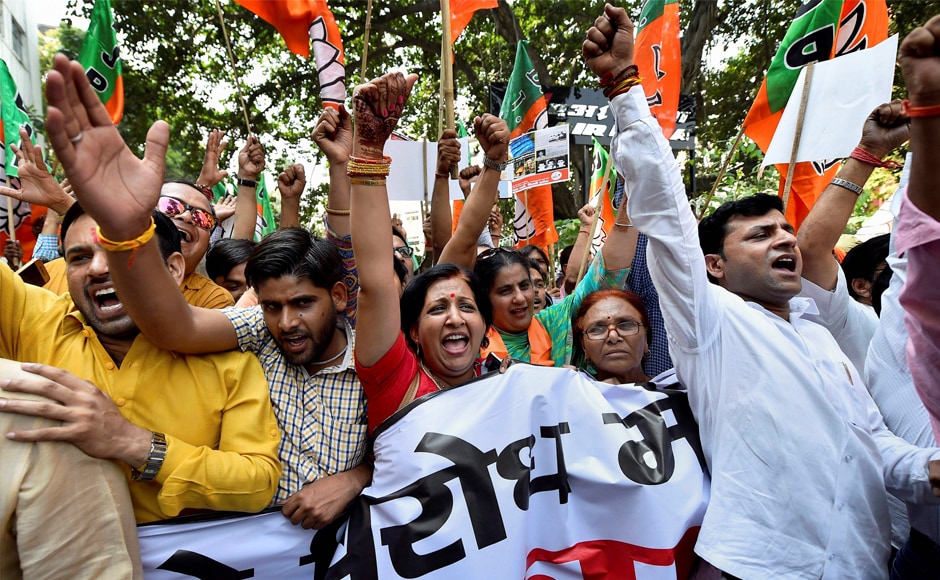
(704, 19)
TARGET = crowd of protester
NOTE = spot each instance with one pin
(803, 375)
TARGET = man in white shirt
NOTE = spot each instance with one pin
(799, 454)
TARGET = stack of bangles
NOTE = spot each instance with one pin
(623, 82)
(362, 171)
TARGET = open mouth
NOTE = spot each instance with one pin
(106, 300)
(787, 263)
(294, 343)
(519, 312)
(456, 343)
(187, 237)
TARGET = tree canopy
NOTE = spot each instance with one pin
(177, 69)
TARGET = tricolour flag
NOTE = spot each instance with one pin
(820, 31)
(100, 57)
(658, 57)
(461, 11)
(603, 183)
(306, 23)
(524, 109)
(13, 116)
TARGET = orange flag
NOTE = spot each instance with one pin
(819, 31)
(461, 11)
(306, 22)
(659, 59)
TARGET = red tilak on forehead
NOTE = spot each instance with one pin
(94, 235)
(452, 294)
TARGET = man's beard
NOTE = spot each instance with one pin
(318, 343)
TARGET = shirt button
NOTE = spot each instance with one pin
(848, 458)
(832, 557)
(273, 432)
(85, 333)
(120, 401)
(109, 365)
(840, 506)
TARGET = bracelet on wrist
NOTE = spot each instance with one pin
(364, 167)
(860, 154)
(149, 470)
(846, 184)
(621, 87)
(441, 175)
(331, 211)
(914, 112)
(126, 246)
(608, 79)
(246, 182)
(622, 225)
(365, 181)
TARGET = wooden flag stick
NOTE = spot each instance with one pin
(365, 41)
(594, 222)
(447, 76)
(527, 216)
(11, 229)
(551, 265)
(721, 174)
(236, 77)
(796, 139)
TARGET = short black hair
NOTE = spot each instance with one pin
(862, 260)
(713, 229)
(298, 253)
(167, 235)
(527, 251)
(225, 254)
(564, 256)
(400, 270)
(412, 299)
(878, 287)
(492, 262)
(399, 235)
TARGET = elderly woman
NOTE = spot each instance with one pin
(613, 332)
(432, 340)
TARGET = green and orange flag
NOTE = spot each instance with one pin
(821, 29)
(603, 183)
(14, 214)
(658, 57)
(100, 57)
(264, 224)
(524, 109)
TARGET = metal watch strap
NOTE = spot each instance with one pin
(487, 162)
(246, 182)
(154, 461)
(846, 184)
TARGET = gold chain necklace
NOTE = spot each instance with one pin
(430, 375)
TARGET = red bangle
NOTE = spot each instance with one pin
(866, 157)
(931, 111)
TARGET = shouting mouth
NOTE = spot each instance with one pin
(107, 301)
(456, 344)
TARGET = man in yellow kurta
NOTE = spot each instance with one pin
(191, 432)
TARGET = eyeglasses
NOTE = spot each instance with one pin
(625, 328)
(173, 207)
(406, 251)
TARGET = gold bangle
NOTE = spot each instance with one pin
(331, 211)
(362, 167)
(363, 181)
(623, 225)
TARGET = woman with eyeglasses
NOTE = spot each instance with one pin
(431, 339)
(613, 332)
(545, 338)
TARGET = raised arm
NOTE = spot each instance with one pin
(291, 183)
(333, 135)
(378, 106)
(448, 153)
(250, 167)
(885, 129)
(37, 186)
(620, 247)
(210, 174)
(493, 134)
(581, 243)
(120, 191)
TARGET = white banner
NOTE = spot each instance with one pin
(537, 473)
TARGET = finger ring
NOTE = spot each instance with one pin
(76, 138)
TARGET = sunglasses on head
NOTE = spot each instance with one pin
(487, 254)
(406, 251)
(173, 207)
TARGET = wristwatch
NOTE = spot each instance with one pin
(149, 470)
(487, 162)
(246, 182)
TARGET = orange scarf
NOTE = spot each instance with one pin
(540, 345)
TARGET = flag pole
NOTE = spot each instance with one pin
(597, 214)
(365, 41)
(804, 97)
(231, 57)
(447, 78)
(721, 173)
(551, 265)
(10, 228)
(525, 204)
